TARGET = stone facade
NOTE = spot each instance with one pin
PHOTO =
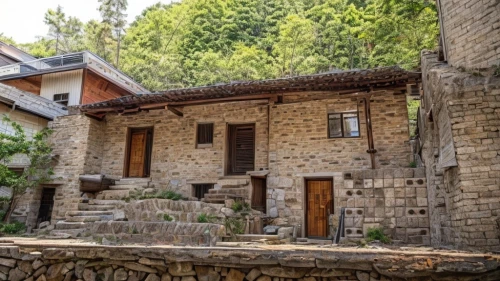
(291, 145)
(463, 198)
(459, 127)
(471, 30)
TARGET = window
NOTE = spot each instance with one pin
(241, 149)
(61, 98)
(343, 125)
(205, 135)
(200, 190)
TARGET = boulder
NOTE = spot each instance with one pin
(362, 276)
(206, 273)
(55, 271)
(165, 277)
(16, 274)
(253, 274)
(264, 278)
(89, 275)
(153, 277)
(121, 275)
(181, 269)
(235, 275)
(139, 267)
(7, 262)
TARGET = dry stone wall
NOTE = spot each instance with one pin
(463, 199)
(92, 263)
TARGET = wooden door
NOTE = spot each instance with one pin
(46, 205)
(137, 153)
(259, 194)
(241, 149)
(319, 206)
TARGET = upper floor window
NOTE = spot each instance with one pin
(204, 135)
(61, 98)
(343, 125)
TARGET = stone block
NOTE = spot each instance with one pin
(389, 182)
(368, 183)
(378, 183)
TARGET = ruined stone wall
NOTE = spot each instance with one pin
(471, 30)
(176, 162)
(463, 198)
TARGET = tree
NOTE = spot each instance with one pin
(42, 48)
(98, 39)
(38, 153)
(7, 40)
(55, 19)
(112, 12)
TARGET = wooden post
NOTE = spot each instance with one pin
(371, 147)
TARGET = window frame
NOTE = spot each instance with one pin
(61, 101)
(204, 145)
(342, 124)
(197, 186)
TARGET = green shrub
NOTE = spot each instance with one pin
(2, 215)
(205, 218)
(377, 234)
(13, 228)
(164, 194)
(413, 164)
(167, 217)
(234, 225)
(239, 206)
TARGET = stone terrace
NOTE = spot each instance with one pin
(27, 259)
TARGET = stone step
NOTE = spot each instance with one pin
(83, 219)
(106, 202)
(233, 183)
(134, 181)
(222, 196)
(73, 233)
(70, 225)
(213, 201)
(104, 215)
(113, 194)
(126, 187)
(88, 207)
(239, 190)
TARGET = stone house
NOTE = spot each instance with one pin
(299, 149)
(459, 126)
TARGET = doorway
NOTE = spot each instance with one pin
(241, 149)
(139, 148)
(259, 194)
(319, 201)
(46, 205)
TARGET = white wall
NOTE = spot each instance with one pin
(63, 82)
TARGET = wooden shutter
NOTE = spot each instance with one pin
(259, 194)
(201, 189)
(241, 149)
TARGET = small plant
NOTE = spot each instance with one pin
(234, 225)
(377, 234)
(164, 194)
(167, 217)
(2, 215)
(206, 218)
(13, 228)
(239, 206)
(413, 164)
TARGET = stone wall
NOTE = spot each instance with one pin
(176, 162)
(463, 198)
(75, 141)
(38, 262)
(471, 30)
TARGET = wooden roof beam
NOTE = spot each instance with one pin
(174, 110)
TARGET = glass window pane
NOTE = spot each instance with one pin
(335, 125)
(351, 126)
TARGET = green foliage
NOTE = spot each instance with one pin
(13, 228)
(2, 215)
(206, 218)
(38, 152)
(377, 234)
(167, 217)
(413, 164)
(235, 225)
(164, 194)
(194, 42)
(239, 206)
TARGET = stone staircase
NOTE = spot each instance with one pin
(105, 207)
(228, 188)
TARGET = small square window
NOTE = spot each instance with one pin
(204, 135)
(343, 125)
(61, 98)
(199, 190)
